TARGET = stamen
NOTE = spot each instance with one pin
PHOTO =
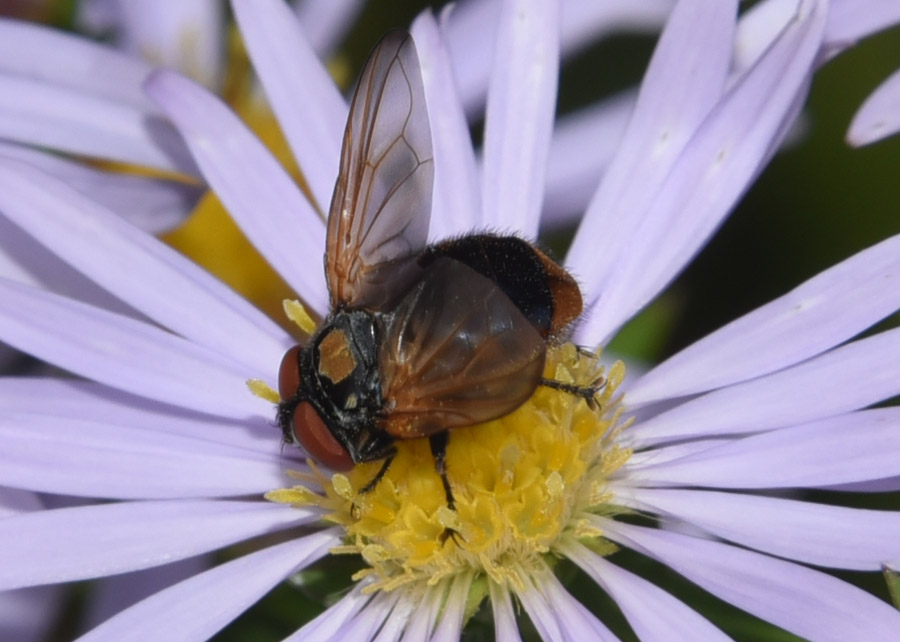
(299, 316)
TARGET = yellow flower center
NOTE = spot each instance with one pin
(520, 482)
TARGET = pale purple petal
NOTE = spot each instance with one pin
(805, 602)
(652, 613)
(90, 401)
(93, 541)
(456, 202)
(450, 626)
(24, 260)
(154, 205)
(365, 624)
(879, 115)
(118, 592)
(853, 20)
(124, 353)
(540, 613)
(505, 626)
(14, 501)
(819, 314)
(324, 626)
(186, 35)
(71, 456)
(575, 621)
(830, 536)
(712, 172)
(853, 376)
(69, 61)
(29, 615)
(521, 105)
(310, 109)
(395, 623)
(855, 447)
(139, 269)
(421, 624)
(200, 606)
(256, 190)
(326, 23)
(472, 35)
(582, 147)
(682, 83)
(47, 115)
(887, 485)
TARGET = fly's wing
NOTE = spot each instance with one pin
(456, 352)
(379, 214)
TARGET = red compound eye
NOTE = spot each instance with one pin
(289, 374)
(314, 436)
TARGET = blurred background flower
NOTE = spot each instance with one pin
(818, 201)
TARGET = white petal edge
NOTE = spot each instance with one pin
(200, 606)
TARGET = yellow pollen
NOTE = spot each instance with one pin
(299, 316)
(522, 485)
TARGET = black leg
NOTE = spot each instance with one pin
(588, 393)
(438, 443)
(368, 488)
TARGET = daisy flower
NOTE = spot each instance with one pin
(686, 464)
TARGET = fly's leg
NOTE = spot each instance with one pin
(368, 488)
(438, 442)
(588, 393)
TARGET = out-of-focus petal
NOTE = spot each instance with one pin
(326, 23)
(521, 105)
(653, 613)
(102, 459)
(712, 172)
(197, 608)
(685, 78)
(113, 538)
(805, 602)
(311, 111)
(852, 20)
(879, 115)
(842, 449)
(256, 190)
(68, 61)
(456, 203)
(819, 314)
(472, 39)
(847, 378)
(90, 401)
(582, 147)
(49, 115)
(139, 269)
(124, 353)
(186, 35)
(154, 205)
(830, 536)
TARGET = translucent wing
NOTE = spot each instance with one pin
(457, 352)
(379, 214)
